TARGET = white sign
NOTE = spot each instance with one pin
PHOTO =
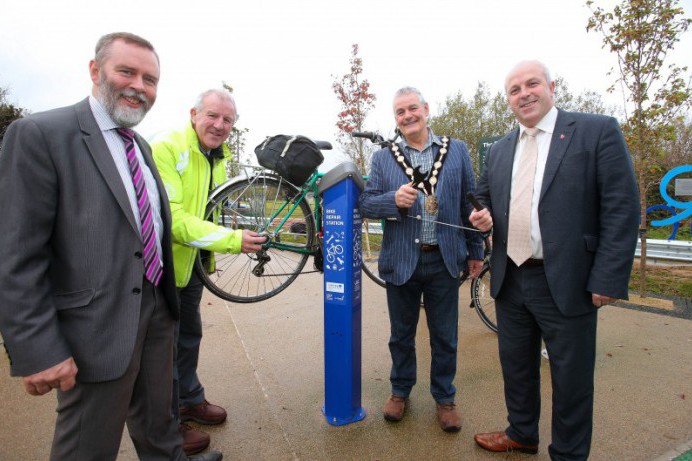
(335, 287)
(683, 186)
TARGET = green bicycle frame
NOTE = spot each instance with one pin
(309, 186)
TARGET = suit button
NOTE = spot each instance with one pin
(136, 290)
(417, 241)
(138, 254)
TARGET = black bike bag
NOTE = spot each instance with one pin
(294, 158)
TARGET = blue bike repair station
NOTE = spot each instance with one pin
(340, 188)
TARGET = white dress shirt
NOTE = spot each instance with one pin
(546, 127)
(117, 148)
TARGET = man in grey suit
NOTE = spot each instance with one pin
(87, 291)
(420, 188)
(563, 246)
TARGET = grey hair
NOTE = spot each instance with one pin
(105, 43)
(221, 93)
(409, 90)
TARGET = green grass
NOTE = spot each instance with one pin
(664, 280)
(663, 233)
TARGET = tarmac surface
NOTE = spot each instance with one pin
(264, 363)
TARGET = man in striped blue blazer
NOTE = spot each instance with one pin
(419, 187)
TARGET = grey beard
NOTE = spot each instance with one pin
(125, 117)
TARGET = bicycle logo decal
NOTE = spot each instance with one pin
(334, 251)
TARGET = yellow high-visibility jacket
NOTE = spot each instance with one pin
(188, 176)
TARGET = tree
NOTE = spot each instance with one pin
(482, 116)
(679, 150)
(587, 101)
(353, 93)
(236, 144)
(642, 33)
(8, 112)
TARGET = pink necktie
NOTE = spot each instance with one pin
(152, 266)
(519, 246)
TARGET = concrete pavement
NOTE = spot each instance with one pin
(264, 363)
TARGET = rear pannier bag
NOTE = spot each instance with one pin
(294, 158)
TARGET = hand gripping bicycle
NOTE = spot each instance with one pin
(262, 201)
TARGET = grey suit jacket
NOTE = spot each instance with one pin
(401, 243)
(588, 210)
(72, 273)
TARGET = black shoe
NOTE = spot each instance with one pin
(208, 456)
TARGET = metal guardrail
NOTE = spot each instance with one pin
(666, 250)
(656, 250)
(676, 251)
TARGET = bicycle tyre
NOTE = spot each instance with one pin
(248, 204)
(482, 301)
(371, 244)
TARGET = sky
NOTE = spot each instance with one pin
(281, 57)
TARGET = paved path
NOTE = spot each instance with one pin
(264, 363)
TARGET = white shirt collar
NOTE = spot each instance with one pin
(547, 123)
(104, 121)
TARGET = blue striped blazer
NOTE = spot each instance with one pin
(401, 241)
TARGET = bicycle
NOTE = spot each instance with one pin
(481, 300)
(261, 200)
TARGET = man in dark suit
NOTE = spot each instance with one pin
(87, 291)
(420, 188)
(562, 200)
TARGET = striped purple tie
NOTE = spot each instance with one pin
(152, 266)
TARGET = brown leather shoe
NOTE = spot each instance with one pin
(194, 440)
(394, 408)
(499, 442)
(204, 413)
(448, 417)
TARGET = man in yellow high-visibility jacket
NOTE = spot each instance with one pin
(191, 163)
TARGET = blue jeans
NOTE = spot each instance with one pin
(187, 389)
(440, 293)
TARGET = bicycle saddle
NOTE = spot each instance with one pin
(323, 145)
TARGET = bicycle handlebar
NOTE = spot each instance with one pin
(369, 135)
(375, 138)
(474, 201)
(478, 206)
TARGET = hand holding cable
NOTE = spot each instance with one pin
(480, 217)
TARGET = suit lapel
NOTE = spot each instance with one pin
(562, 136)
(505, 161)
(102, 157)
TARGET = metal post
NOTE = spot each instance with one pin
(340, 188)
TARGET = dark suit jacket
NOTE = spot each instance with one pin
(588, 210)
(400, 247)
(72, 273)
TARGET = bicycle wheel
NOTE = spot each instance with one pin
(251, 204)
(371, 243)
(482, 301)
